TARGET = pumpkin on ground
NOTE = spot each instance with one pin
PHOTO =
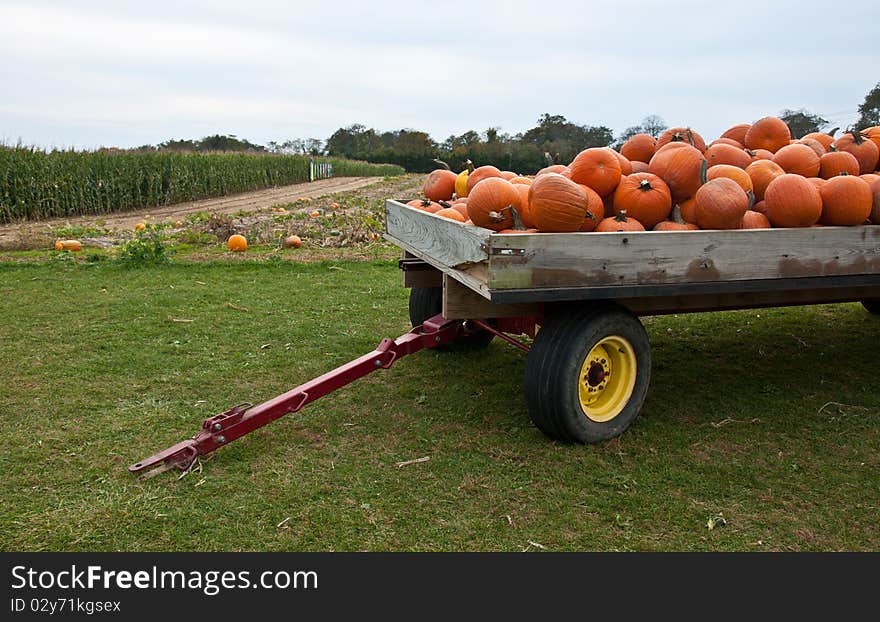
(837, 163)
(770, 133)
(236, 243)
(792, 201)
(439, 185)
(598, 168)
(73, 246)
(291, 241)
(799, 159)
(721, 204)
(557, 204)
(490, 202)
(680, 166)
(620, 222)
(846, 201)
(645, 197)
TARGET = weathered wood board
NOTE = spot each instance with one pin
(570, 266)
(654, 258)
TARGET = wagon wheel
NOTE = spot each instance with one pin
(587, 373)
(873, 306)
(426, 302)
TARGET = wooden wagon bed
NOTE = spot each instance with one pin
(485, 274)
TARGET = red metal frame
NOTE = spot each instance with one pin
(224, 428)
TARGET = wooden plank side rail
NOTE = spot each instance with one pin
(567, 260)
(446, 242)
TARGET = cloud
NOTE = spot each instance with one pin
(95, 72)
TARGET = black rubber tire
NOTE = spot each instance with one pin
(426, 302)
(553, 368)
(872, 306)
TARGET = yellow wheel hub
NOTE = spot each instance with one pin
(607, 379)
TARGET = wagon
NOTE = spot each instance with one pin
(579, 296)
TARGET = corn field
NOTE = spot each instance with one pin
(37, 184)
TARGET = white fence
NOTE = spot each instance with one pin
(320, 170)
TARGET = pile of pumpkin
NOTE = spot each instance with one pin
(754, 176)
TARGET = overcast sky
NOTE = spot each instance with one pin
(101, 73)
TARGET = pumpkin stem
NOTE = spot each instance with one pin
(621, 216)
(675, 216)
(645, 185)
(426, 202)
(857, 136)
(704, 172)
(517, 220)
(444, 204)
(751, 196)
(442, 164)
(832, 132)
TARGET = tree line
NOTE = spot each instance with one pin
(554, 139)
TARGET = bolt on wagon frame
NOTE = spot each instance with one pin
(588, 367)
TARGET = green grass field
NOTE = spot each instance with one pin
(769, 418)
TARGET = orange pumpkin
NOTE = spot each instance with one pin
(816, 181)
(292, 241)
(490, 202)
(598, 168)
(687, 209)
(726, 141)
(759, 154)
(671, 225)
(760, 207)
(524, 212)
(770, 133)
(846, 201)
(865, 151)
(815, 145)
(461, 208)
(683, 135)
(720, 153)
(721, 204)
(737, 133)
(422, 204)
(73, 246)
(439, 185)
(645, 197)
(799, 159)
(762, 173)
(731, 172)
(837, 163)
(826, 140)
(521, 180)
(874, 217)
(508, 231)
(508, 175)
(595, 210)
(639, 167)
(557, 204)
(451, 213)
(620, 222)
(479, 174)
(873, 134)
(754, 220)
(553, 168)
(680, 166)
(236, 243)
(792, 201)
(625, 165)
(639, 147)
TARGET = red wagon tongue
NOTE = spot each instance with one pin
(242, 419)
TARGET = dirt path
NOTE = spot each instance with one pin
(10, 235)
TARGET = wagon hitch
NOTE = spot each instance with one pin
(242, 419)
